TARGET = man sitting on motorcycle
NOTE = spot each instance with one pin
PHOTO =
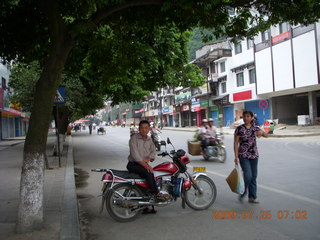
(142, 151)
(208, 133)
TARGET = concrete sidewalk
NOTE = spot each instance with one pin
(281, 130)
(60, 202)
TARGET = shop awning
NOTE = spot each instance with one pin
(223, 99)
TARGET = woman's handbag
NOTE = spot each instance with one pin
(235, 180)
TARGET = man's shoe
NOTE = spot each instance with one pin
(252, 200)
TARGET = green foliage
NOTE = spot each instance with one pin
(23, 79)
(80, 100)
(130, 60)
(123, 49)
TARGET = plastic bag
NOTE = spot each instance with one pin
(235, 180)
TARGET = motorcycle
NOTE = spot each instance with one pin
(126, 194)
(217, 150)
(133, 130)
(155, 136)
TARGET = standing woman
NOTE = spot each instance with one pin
(246, 152)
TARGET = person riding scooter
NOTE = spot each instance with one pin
(154, 131)
(208, 133)
(204, 134)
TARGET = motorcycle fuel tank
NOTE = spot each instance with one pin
(166, 167)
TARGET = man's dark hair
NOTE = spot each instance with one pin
(248, 112)
(144, 122)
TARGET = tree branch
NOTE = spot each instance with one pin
(95, 20)
(50, 8)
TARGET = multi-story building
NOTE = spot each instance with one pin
(275, 75)
(13, 121)
(287, 67)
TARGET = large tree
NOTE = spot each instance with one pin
(49, 31)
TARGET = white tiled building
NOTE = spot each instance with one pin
(275, 75)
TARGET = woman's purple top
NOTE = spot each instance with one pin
(247, 141)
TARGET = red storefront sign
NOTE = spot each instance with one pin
(185, 108)
(242, 95)
(139, 111)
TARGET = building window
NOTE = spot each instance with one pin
(240, 80)
(252, 76)
(284, 27)
(3, 83)
(238, 47)
(212, 67)
(265, 36)
(224, 87)
(249, 43)
(223, 67)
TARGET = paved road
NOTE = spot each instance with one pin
(288, 183)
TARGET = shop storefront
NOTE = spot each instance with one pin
(195, 112)
(186, 115)
(167, 116)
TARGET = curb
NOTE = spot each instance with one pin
(70, 226)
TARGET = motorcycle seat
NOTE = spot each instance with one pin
(125, 174)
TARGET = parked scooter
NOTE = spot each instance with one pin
(216, 150)
(126, 194)
(156, 138)
(133, 130)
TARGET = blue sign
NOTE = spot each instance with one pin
(165, 110)
(60, 96)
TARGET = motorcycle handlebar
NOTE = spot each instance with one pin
(98, 170)
(163, 154)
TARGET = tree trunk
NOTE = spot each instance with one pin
(30, 211)
(63, 123)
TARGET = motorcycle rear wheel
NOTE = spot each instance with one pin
(119, 213)
(201, 201)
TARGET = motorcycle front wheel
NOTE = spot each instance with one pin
(118, 212)
(204, 199)
(222, 154)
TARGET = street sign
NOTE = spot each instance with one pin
(263, 104)
(60, 96)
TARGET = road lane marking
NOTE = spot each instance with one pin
(288, 194)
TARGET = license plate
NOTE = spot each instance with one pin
(199, 169)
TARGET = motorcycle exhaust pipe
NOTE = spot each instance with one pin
(130, 203)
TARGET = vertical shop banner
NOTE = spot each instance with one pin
(195, 105)
(6, 102)
(1, 98)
